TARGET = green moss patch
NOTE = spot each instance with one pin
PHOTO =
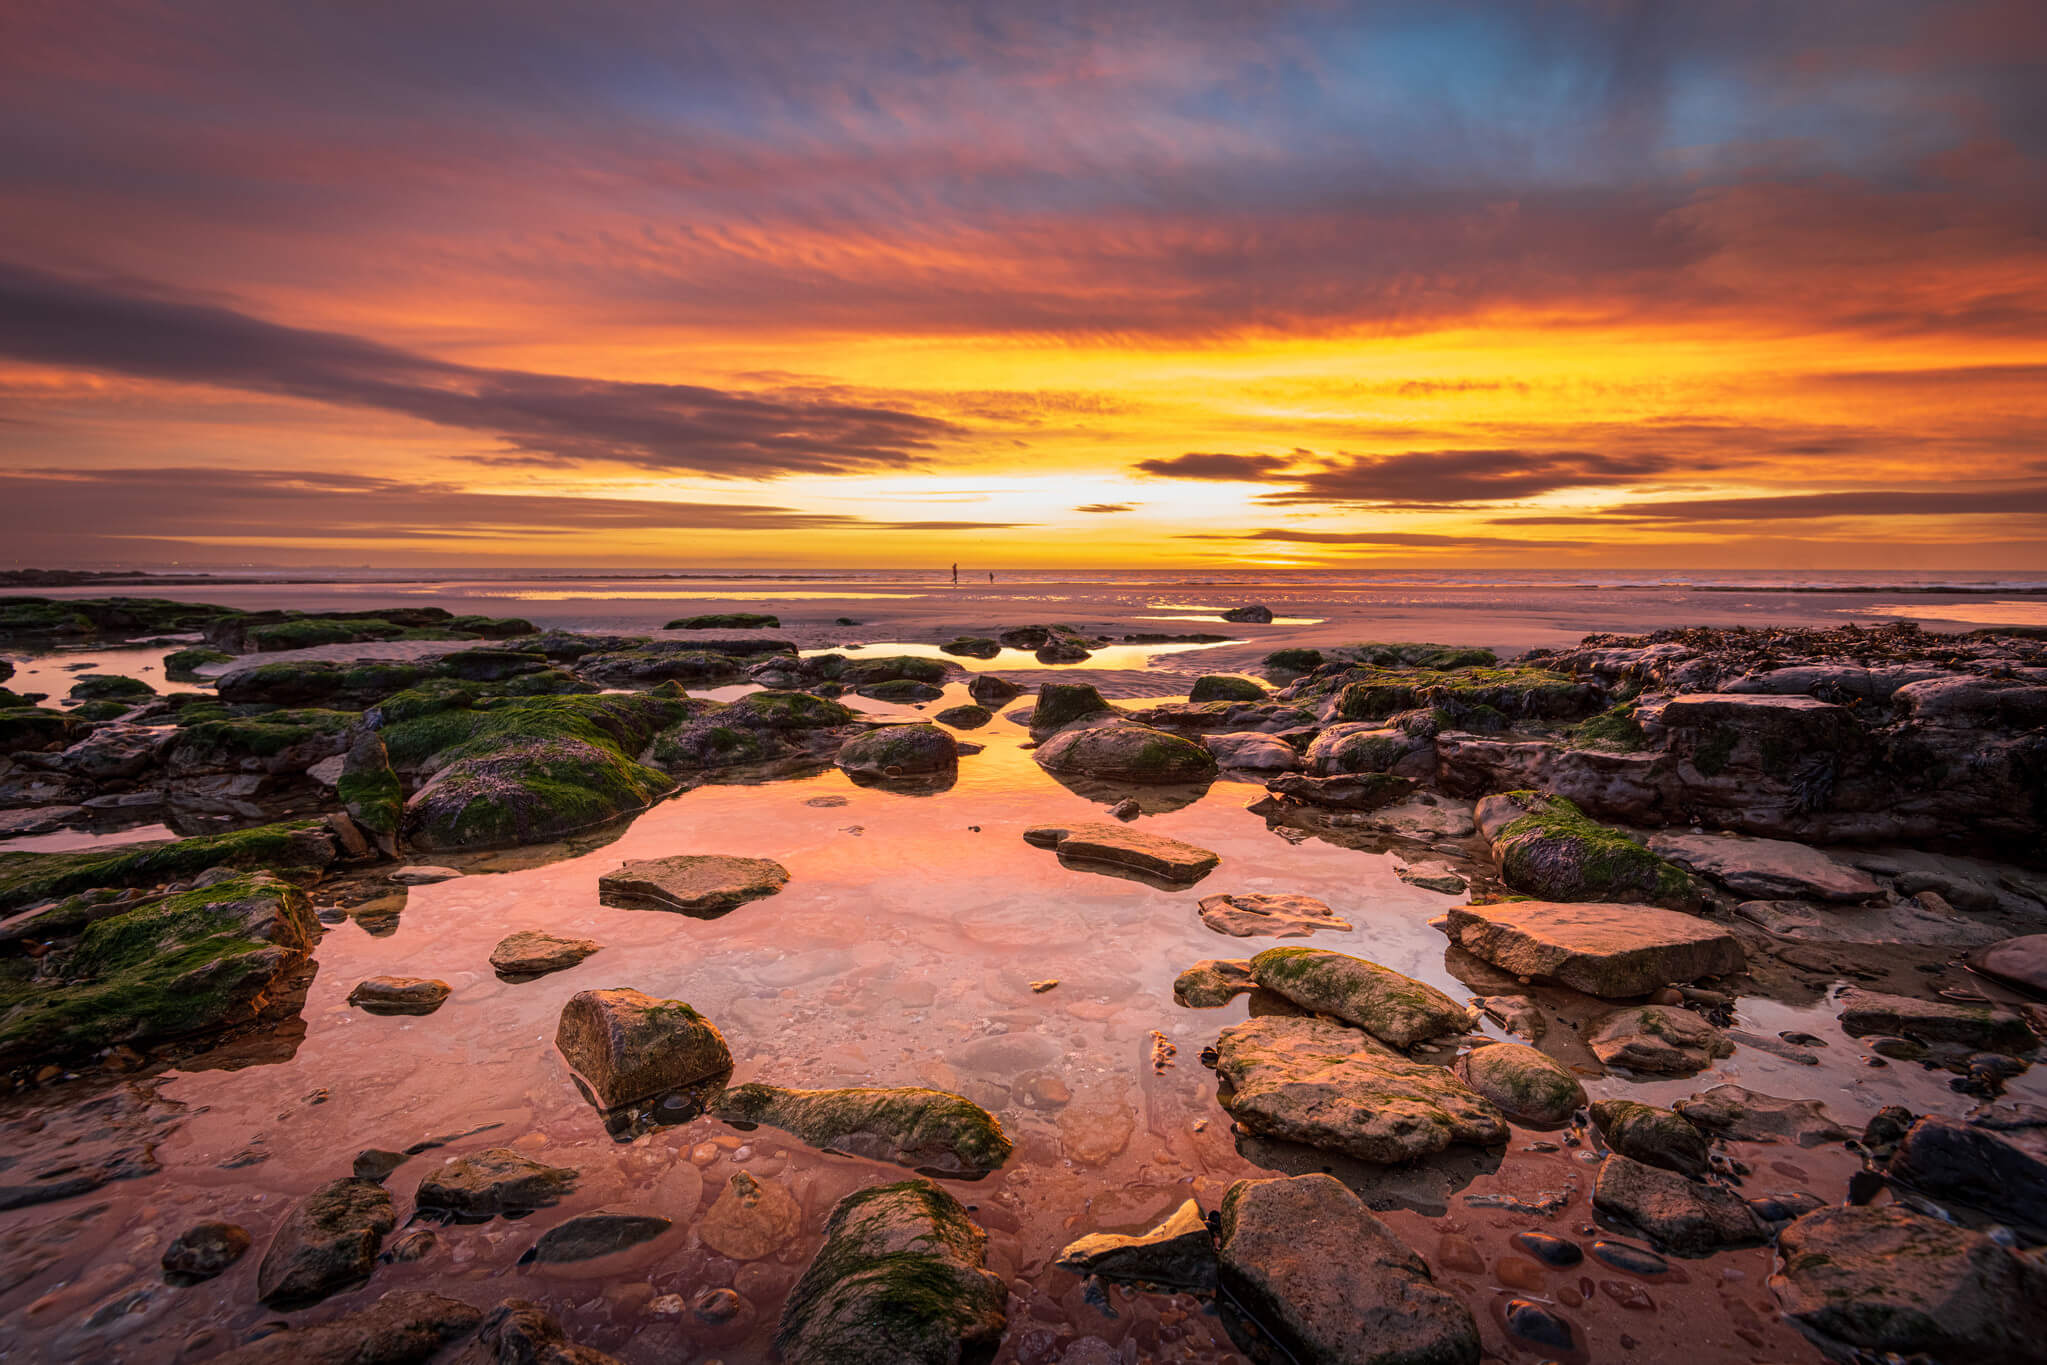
(926, 1129)
(26, 878)
(727, 620)
(1556, 852)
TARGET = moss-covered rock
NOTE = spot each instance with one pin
(1653, 1135)
(1061, 704)
(1344, 749)
(928, 1130)
(1396, 1009)
(369, 791)
(659, 663)
(900, 1278)
(33, 728)
(529, 792)
(288, 740)
(1513, 693)
(1547, 848)
(183, 665)
(1420, 654)
(109, 687)
(973, 647)
(727, 620)
(490, 665)
(27, 878)
(626, 1045)
(968, 717)
(321, 682)
(1615, 729)
(901, 691)
(44, 618)
(775, 710)
(102, 710)
(1224, 687)
(171, 967)
(1527, 1085)
(900, 751)
(1127, 752)
(1294, 660)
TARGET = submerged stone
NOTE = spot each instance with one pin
(692, 883)
(327, 1242)
(403, 1326)
(923, 1129)
(1247, 914)
(1213, 982)
(601, 1233)
(750, 1219)
(1395, 1009)
(204, 1250)
(498, 1180)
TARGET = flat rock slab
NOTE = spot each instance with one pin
(1247, 914)
(694, 883)
(399, 994)
(498, 1180)
(422, 874)
(1331, 1086)
(1766, 868)
(2019, 962)
(1905, 922)
(1320, 1272)
(1731, 1111)
(1121, 846)
(529, 953)
(1934, 1021)
(1610, 950)
(1433, 876)
(1661, 1039)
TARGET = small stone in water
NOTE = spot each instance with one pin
(718, 1305)
(1532, 1322)
(1548, 1249)
(1040, 987)
(1634, 1260)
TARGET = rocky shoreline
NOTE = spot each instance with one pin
(1634, 836)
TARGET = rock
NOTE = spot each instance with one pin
(374, 1163)
(1395, 1009)
(900, 1278)
(1364, 747)
(900, 751)
(1358, 792)
(1061, 704)
(601, 1233)
(695, 884)
(923, 1129)
(1653, 1136)
(1330, 1086)
(2020, 962)
(1435, 876)
(1983, 1027)
(901, 691)
(626, 1046)
(204, 1250)
(368, 789)
(422, 874)
(728, 620)
(1178, 1252)
(1677, 1214)
(1765, 868)
(1526, 1085)
(520, 1332)
(1516, 1014)
(1127, 809)
(1249, 751)
(1213, 982)
(1063, 649)
(1730, 1111)
(750, 1219)
(327, 1242)
(1126, 752)
(991, 691)
(528, 789)
(1996, 1161)
(498, 1180)
(1224, 687)
(1894, 1282)
(1545, 846)
(1551, 1250)
(404, 1327)
(1661, 1039)
(399, 994)
(530, 953)
(1247, 914)
(1904, 922)
(965, 717)
(1257, 615)
(1331, 1282)
(1612, 951)
(1168, 859)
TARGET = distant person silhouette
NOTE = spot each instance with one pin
(991, 578)
(955, 575)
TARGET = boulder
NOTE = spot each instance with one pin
(991, 691)
(1897, 1283)
(1250, 751)
(1248, 914)
(1341, 750)
(900, 751)
(924, 1129)
(1527, 1085)
(1546, 847)
(1257, 615)
(531, 953)
(404, 1327)
(399, 994)
(1612, 951)
(327, 1242)
(1661, 1039)
(1985, 1027)
(1332, 1283)
(1061, 704)
(626, 1046)
(589, 1235)
(529, 792)
(498, 1180)
(1330, 1086)
(368, 789)
(1685, 1216)
(1765, 868)
(968, 717)
(900, 1277)
(902, 691)
(2020, 962)
(1213, 982)
(1224, 687)
(1996, 1161)
(694, 883)
(1395, 1009)
(1127, 752)
(1653, 1136)
(1119, 846)
(1178, 1252)
(1730, 1111)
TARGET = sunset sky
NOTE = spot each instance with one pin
(1024, 285)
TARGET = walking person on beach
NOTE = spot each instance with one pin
(955, 575)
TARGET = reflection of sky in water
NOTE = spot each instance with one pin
(1109, 656)
(657, 594)
(1975, 613)
(1275, 621)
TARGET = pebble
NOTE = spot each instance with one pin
(1549, 1249)
(1532, 1322)
(1634, 1260)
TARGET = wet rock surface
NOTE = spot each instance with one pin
(1180, 1251)
(1613, 951)
(1249, 914)
(327, 1242)
(1395, 1009)
(1687, 1216)
(626, 1045)
(1155, 854)
(499, 1180)
(1660, 1039)
(403, 1326)
(923, 1129)
(531, 953)
(694, 883)
(1528, 1086)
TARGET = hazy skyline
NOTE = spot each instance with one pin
(1563, 285)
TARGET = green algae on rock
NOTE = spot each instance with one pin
(927, 1130)
(1061, 704)
(900, 751)
(901, 1277)
(1127, 752)
(1547, 848)
(1528, 1085)
(26, 878)
(728, 620)
(1395, 1009)
(1653, 1136)
(625, 1045)
(1224, 687)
